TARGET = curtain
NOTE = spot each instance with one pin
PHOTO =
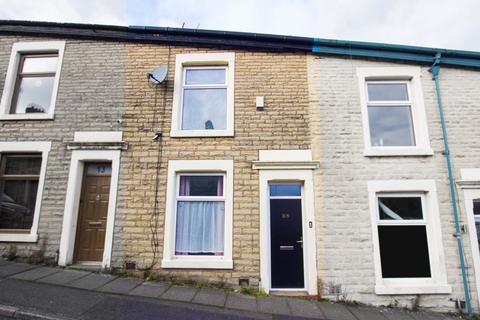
(200, 228)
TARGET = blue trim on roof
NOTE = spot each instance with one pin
(421, 55)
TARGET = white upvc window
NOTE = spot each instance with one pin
(32, 80)
(393, 111)
(203, 99)
(407, 241)
(22, 175)
(199, 209)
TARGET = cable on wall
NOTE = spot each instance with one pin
(153, 223)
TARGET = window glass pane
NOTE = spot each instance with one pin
(476, 212)
(99, 169)
(17, 203)
(200, 228)
(18, 165)
(205, 76)
(405, 208)
(204, 109)
(387, 92)
(34, 94)
(201, 186)
(404, 251)
(40, 64)
(391, 126)
(285, 189)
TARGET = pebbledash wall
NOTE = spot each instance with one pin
(90, 98)
(344, 227)
(280, 77)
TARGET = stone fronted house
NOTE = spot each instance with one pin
(290, 164)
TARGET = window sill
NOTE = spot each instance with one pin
(16, 237)
(413, 289)
(397, 152)
(197, 264)
(201, 133)
(26, 116)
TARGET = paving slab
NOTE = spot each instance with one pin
(335, 311)
(92, 281)
(241, 302)
(364, 313)
(150, 289)
(273, 305)
(305, 308)
(179, 293)
(395, 314)
(13, 268)
(121, 285)
(421, 315)
(212, 297)
(3, 261)
(35, 274)
(63, 277)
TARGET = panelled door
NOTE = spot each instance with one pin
(92, 215)
(286, 239)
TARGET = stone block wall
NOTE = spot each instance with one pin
(344, 231)
(90, 98)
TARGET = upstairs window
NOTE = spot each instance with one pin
(203, 95)
(394, 120)
(204, 98)
(32, 80)
(390, 114)
(34, 84)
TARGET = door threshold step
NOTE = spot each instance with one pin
(281, 293)
(87, 267)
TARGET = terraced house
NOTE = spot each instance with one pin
(296, 165)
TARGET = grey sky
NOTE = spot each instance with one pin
(432, 23)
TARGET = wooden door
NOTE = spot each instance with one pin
(92, 215)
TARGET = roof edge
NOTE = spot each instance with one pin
(184, 36)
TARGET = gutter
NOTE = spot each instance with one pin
(241, 40)
(435, 71)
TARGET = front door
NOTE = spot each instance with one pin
(286, 239)
(92, 215)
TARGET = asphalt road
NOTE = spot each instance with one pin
(87, 305)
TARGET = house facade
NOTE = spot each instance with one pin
(293, 165)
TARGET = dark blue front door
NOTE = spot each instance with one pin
(286, 243)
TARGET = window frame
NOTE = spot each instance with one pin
(177, 168)
(42, 147)
(178, 197)
(426, 189)
(411, 76)
(19, 50)
(203, 61)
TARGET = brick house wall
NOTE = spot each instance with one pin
(342, 207)
(280, 77)
(90, 98)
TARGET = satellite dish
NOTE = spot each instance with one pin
(158, 75)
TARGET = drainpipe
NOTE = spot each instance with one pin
(435, 70)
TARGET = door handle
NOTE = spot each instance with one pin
(300, 241)
(95, 223)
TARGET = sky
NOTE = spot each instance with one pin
(452, 24)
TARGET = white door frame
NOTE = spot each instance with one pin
(305, 177)
(72, 201)
(470, 185)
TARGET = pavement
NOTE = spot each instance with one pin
(48, 293)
